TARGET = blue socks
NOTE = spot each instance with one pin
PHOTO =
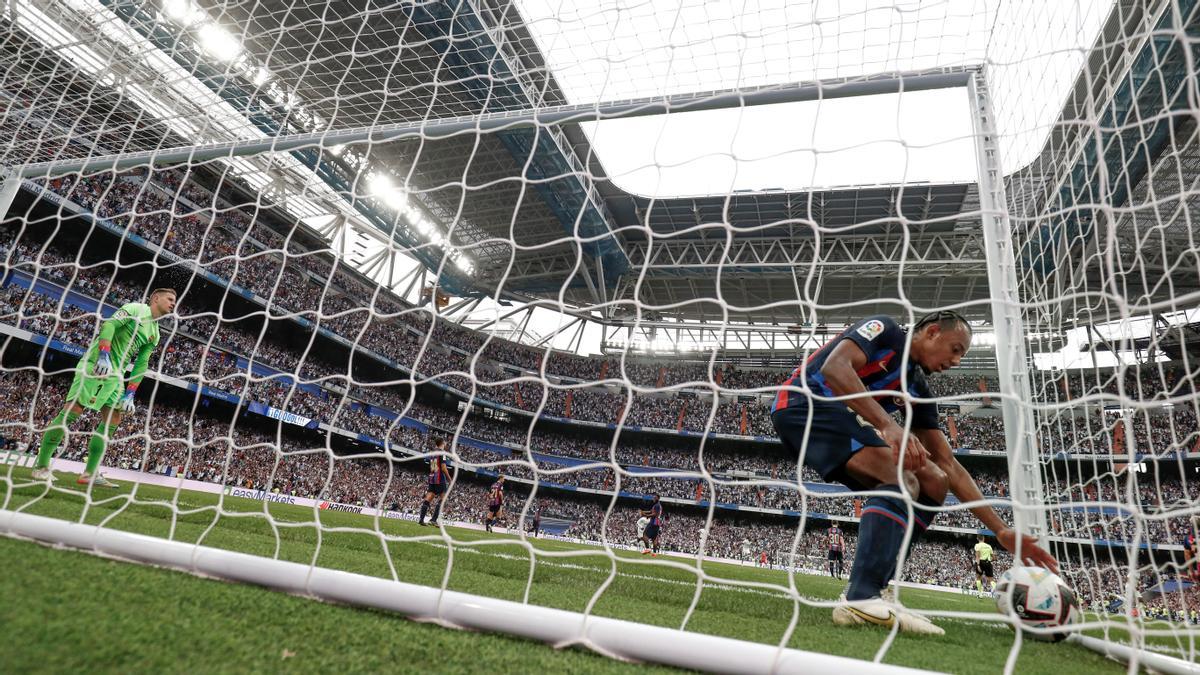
(880, 535)
(924, 513)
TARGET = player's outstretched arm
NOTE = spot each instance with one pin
(964, 487)
(1028, 549)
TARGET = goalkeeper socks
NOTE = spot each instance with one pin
(96, 446)
(880, 535)
(54, 436)
(424, 510)
(979, 585)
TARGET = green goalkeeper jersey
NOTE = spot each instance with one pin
(133, 333)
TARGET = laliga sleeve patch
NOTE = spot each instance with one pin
(871, 329)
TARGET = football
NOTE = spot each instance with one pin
(1040, 600)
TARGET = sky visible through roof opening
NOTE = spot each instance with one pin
(617, 49)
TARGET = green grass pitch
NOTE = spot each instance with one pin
(65, 610)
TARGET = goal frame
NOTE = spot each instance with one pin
(611, 637)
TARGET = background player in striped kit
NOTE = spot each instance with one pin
(495, 504)
(439, 480)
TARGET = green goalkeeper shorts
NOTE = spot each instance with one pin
(95, 393)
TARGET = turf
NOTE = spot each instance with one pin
(73, 610)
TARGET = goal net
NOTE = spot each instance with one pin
(1108, 285)
(585, 248)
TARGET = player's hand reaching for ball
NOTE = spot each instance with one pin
(914, 455)
(1031, 553)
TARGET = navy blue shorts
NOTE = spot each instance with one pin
(493, 509)
(835, 436)
(437, 488)
(651, 532)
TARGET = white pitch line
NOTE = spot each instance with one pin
(645, 577)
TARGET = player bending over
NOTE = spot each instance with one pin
(837, 552)
(130, 333)
(649, 536)
(856, 442)
(983, 566)
(495, 504)
(435, 488)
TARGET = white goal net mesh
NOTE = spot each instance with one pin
(1107, 269)
(603, 310)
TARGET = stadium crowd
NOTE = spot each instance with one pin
(200, 361)
(231, 241)
(740, 478)
(223, 342)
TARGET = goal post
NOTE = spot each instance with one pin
(1027, 460)
(1008, 325)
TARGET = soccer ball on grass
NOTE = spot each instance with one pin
(1040, 600)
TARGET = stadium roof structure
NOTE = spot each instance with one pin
(1116, 218)
(534, 210)
(484, 60)
(918, 241)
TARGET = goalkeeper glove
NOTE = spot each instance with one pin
(103, 367)
(127, 399)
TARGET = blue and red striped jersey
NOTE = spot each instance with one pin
(437, 470)
(883, 341)
(836, 541)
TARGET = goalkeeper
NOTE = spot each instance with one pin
(130, 333)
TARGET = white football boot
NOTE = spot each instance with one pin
(879, 612)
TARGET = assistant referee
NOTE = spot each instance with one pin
(983, 565)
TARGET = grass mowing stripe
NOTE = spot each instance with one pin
(72, 612)
(566, 576)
